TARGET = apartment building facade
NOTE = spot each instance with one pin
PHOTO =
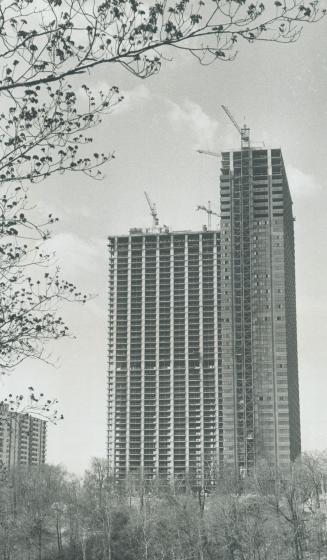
(22, 438)
(164, 362)
(259, 341)
(203, 372)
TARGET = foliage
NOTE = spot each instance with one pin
(43, 41)
(47, 514)
(28, 304)
(44, 131)
(34, 403)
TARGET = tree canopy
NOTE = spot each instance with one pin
(44, 41)
(47, 514)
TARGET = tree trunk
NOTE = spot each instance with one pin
(59, 538)
(40, 541)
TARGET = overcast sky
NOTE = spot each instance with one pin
(281, 91)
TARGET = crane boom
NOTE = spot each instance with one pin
(153, 210)
(244, 131)
(209, 212)
(207, 153)
(230, 116)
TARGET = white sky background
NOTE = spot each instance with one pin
(282, 91)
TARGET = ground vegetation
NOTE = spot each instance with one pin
(47, 514)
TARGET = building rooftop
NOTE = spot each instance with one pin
(164, 231)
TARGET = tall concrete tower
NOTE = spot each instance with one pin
(259, 343)
(165, 415)
(202, 335)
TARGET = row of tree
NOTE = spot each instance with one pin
(47, 514)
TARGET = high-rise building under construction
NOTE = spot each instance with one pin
(202, 335)
(164, 361)
(258, 311)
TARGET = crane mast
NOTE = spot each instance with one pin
(209, 212)
(244, 131)
(153, 210)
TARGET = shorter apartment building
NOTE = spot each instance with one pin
(22, 438)
(164, 382)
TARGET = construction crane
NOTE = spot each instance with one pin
(207, 153)
(244, 131)
(209, 212)
(153, 210)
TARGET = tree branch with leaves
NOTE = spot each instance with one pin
(30, 289)
(45, 41)
(43, 132)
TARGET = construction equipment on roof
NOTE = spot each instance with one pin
(153, 210)
(207, 153)
(209, 212)
(244, 131)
